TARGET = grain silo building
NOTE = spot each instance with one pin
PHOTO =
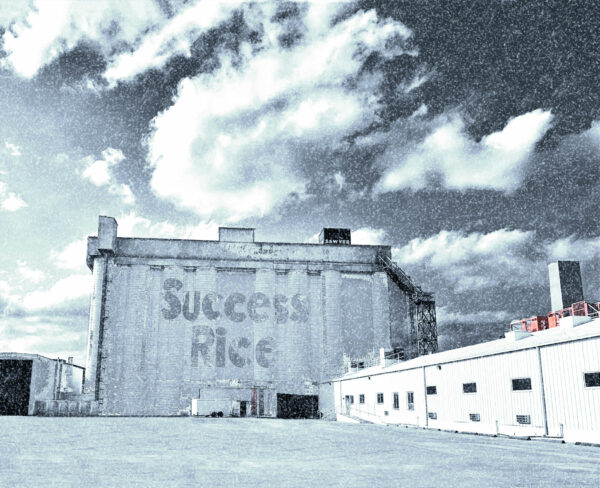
(257, 327)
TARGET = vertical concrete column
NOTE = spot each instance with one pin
(190, 285)
(264, 347)
(381, 311)
(332, 348)
(206, 283)
(95, 324)
(316, 326)
(153, 338)
(300, 322)
(147, 370)
(295, 331)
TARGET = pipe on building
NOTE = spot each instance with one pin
(542, 390)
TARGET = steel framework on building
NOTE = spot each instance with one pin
(421, 308)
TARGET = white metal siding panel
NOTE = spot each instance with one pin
(568, 401)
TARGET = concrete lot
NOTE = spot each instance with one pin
(276, 453)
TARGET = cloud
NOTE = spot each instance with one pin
(9, 201)
(13, 202)
(100, 173)
(496, 162)
(368, 236)
(29, 274)
(445, 316)
(232, 144)
(572, 248)
(38, 35)
(67, 295)
(593, 133)
(475, 261)
(51, 336)
(72, 256)
(174, 37)
(339, 180)
(12, 149)
(133, 225)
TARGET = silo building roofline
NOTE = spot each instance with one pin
(235, 244)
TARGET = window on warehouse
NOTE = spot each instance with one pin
(592, 379)
(396, 401)
(361, 399)
(432, 390)
(379, 398)
(410, 400)
(520, 384)
(469, 387)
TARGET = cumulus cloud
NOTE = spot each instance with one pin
(12, 149)
(572, 248)
(13, 202)
(100, 173)
(496, 162)
(9, 201)
(175, 36)
(67, 294)
(133, 225)
(230, 145)
(72, 256)
(444, 315)
(66, 297)
(51, 336)
(133, 36)
(29, 274)
(475, 261)
(40, 33)
(368, 236)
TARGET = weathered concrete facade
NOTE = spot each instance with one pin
(172, 320)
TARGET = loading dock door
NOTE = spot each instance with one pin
(297, 406)
(15, 381)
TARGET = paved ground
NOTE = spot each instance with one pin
(166, 452)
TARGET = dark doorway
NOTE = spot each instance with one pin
(243, 407)
(15, 381)
(261, 403)
(297, 406)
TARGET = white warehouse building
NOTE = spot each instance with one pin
(543, 384)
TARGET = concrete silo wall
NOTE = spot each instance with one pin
(169, 330)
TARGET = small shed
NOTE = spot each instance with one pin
(27, 378)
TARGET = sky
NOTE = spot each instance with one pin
(466, 135)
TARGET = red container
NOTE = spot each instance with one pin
(538, 322)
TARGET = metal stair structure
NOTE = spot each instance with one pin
(421, 309)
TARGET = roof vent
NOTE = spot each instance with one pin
(236, 234)
(335, 236)
(516, 335)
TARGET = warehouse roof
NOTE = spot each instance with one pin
(501, 346)
(27, 356)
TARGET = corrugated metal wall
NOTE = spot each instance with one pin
(572, 409)
(568, 401)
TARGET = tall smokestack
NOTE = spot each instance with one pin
(565, 284)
